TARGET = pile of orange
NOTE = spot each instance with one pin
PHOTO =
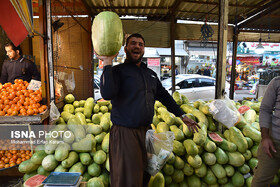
(13, 157)
(17, 100)
(13, 154)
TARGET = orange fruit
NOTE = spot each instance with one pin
(26, 103)
(44, 107)
(12, 164)
(6, 85)
(14, 113)
(6, 160)
(9, 111)
(22, 110)
(34, 105)
(32, 102)
(7, 165)
(16, 99)
(5, 110)
(10, 103)
(30, 112)
(37, 99)
(6, 102)
(26, 94)
(41, 110)
(18, 88)
(36, 111)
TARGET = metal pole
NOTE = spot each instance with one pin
(43, 52)
(233, 65)
(172, 38)
(50, 52)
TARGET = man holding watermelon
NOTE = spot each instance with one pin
(269, 149)
(133, 89)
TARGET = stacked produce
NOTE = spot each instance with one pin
(17, 100)
(202, 158)
(205, 158)
(11, 155)
(83, 147)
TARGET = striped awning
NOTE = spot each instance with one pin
(24, 10)
(16, 18)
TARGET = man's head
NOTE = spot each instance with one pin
(12, 51)
(134, 48)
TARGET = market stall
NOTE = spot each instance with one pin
(20, 109)
(205, 158)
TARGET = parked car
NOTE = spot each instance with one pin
(97, 94)
(194, 86)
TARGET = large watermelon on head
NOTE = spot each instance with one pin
(107, 33)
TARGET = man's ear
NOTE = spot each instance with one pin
(125, 49)
(17, 52)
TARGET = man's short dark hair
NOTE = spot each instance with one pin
(136, 35)
(14, 47)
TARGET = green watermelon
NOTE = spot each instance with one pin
(69, 98)
(95, 182)
(107, 33)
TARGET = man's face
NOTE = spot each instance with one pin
(13, 55)
(135, 49)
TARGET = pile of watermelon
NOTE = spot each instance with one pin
(209, 157)
(82, 148)
(205, 158)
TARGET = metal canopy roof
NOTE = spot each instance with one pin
(251, 16)
(266, 13)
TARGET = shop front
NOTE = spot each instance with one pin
(246, 72)
(253, 69)
(180, 61)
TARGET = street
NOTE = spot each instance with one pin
(241, 94)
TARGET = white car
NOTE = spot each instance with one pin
(97, 94)
(194, 86)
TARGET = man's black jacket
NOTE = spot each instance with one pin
(133, 91)
(21, 68)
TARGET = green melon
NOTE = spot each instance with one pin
(107, 33)
(69, 98)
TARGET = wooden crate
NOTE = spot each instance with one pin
(36, 119)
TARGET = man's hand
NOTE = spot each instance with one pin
(192, 125)
(107, 60)
(267, 145)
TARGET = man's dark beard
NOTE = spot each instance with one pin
(131, 60)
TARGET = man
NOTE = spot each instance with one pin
(176, 70)
(206, 72)
(269, 149)
(133, 89)
(17, 67)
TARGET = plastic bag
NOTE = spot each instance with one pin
(70, 82)
(224, 112)
(54, 113)
(159, 146)
(34, 85)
